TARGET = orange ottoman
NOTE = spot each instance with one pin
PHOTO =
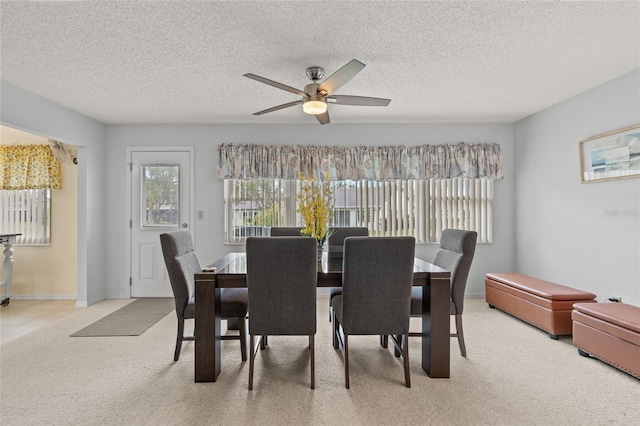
(609, 332)
(543, 304)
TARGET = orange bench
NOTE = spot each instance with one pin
(609, 332)
(543, 304)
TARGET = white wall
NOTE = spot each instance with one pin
(25, 111)
(208, 233)
(564, 231)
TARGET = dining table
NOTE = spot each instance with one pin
(7, 240)
(230, 271)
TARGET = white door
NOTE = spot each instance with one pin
(160, 202)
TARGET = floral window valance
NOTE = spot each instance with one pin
(380, 163)
(28, 167)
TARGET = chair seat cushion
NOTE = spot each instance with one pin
(416, 302)
(334, 291)
(375, 324)
(337, 306)
(190, 309)
(233, 303)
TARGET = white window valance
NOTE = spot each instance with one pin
(379, 163)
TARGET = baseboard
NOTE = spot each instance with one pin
(117, 296)
(44, 296)
(474, 295)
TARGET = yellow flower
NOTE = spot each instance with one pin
(315, 206)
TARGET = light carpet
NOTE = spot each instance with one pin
(513, 375)
(130, 320)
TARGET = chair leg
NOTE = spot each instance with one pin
(242, 328)
(396, 351)
(179, 338)
(334, 330)
(463, 349)
(252, 355)
(263, 342)
(384, 341)
(346, 360)
(313, 360)
(405, 356)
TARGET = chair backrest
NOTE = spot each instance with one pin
(337, 236)
(455, 254)
(182, 262)
(376, 284)
(286, 231)
(281, 281)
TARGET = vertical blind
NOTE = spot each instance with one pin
(418, 208)
(421, 208)
(26, 212)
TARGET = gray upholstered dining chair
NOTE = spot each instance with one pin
(376, 294)
(455, 254)
(281, 279)
(338, 234)
(335, 250)
(283, 231)
(182, 263)
(286, 231)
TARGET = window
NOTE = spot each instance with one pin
(418, 208)
(160, 192)
(26, 212)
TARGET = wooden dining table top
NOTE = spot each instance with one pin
(231, 271)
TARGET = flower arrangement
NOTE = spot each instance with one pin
(315, 206)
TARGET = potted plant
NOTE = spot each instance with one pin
(315, 205)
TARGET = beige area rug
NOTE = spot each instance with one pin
(130, 320)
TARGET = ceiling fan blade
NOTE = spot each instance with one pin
(324, 117)
(340, 77)
(276, 84)
(357, 100)
(276, 108)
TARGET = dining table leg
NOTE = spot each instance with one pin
(435, 327)
(208, 334)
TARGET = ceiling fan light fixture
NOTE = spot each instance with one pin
(315, 105)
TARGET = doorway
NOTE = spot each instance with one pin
(161, 200)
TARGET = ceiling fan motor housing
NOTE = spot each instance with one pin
(315, 73)
(312, 91)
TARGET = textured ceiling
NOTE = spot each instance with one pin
(183, 62)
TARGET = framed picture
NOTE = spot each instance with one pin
(614, 155)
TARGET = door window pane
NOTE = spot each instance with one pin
(160, 195)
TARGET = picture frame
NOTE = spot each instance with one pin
(613, 155)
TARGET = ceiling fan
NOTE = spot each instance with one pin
(316, 96)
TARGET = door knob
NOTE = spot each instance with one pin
(184, 225)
